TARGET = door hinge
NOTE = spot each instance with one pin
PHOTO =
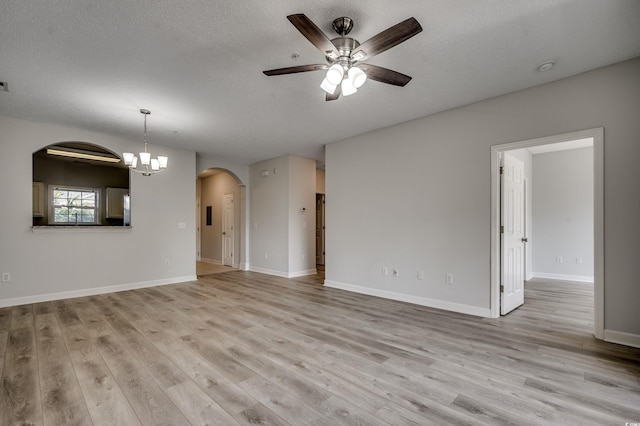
(501, 170)
(501, 289)
(502, 229)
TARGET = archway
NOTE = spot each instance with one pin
(78, 183)
(220, 217)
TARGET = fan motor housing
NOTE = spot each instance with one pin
(344, 46)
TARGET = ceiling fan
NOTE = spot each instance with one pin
(344, 55)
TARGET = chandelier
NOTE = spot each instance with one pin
(148, 166)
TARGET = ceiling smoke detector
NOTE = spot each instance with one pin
(546, 66)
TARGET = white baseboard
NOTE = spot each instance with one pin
(622, 338)
(92, 291)
(268, 271)
(417, 300)
(283, 273)
(563, 277)
(303, 273)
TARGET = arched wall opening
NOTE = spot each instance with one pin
(78, 183)
(221, 204)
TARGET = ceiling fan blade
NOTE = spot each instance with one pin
(387, 39)
(313, 34)
(298, 68)
(336, 94)
(385, 75)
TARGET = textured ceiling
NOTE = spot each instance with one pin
(197, 65)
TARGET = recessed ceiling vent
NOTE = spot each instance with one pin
(4, 87)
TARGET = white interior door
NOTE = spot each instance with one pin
(227, 230)
(512, 234)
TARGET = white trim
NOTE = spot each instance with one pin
(214, 261)
(598, 217)
(622, 338)
(244, 266)
(53, 229)
(598, 231)
(416, 300)
(303, 273)
(268, 271)
(563, 277)
(93, 291)
(282, 273)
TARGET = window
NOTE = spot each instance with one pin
(77, 206)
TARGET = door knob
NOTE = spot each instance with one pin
(525, 240)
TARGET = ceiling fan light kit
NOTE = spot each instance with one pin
(328, 87)
(343, 54)
(335, 74)
(357, 76)
(348, 88)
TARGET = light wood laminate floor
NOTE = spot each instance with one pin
(208, 268)
(245, 348)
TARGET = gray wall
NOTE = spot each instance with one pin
(86, 261)
(563, 214)
(269, 217)
(302, 224)
(282, 236)
(416, 196)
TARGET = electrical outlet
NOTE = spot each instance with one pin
(266, 255)
(6, 277)
(385, 270)
(182, 225)
(167, 262)
(420, 275)
(396, 272)
(449, 278)
(578, 260)
(559, 259)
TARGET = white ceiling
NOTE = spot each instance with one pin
(197, 65)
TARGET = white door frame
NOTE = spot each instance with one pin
(232, 230)
(198, 230)
(598, 216)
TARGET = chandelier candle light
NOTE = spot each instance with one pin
(149, 166)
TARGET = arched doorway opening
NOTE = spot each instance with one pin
(220, 214)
